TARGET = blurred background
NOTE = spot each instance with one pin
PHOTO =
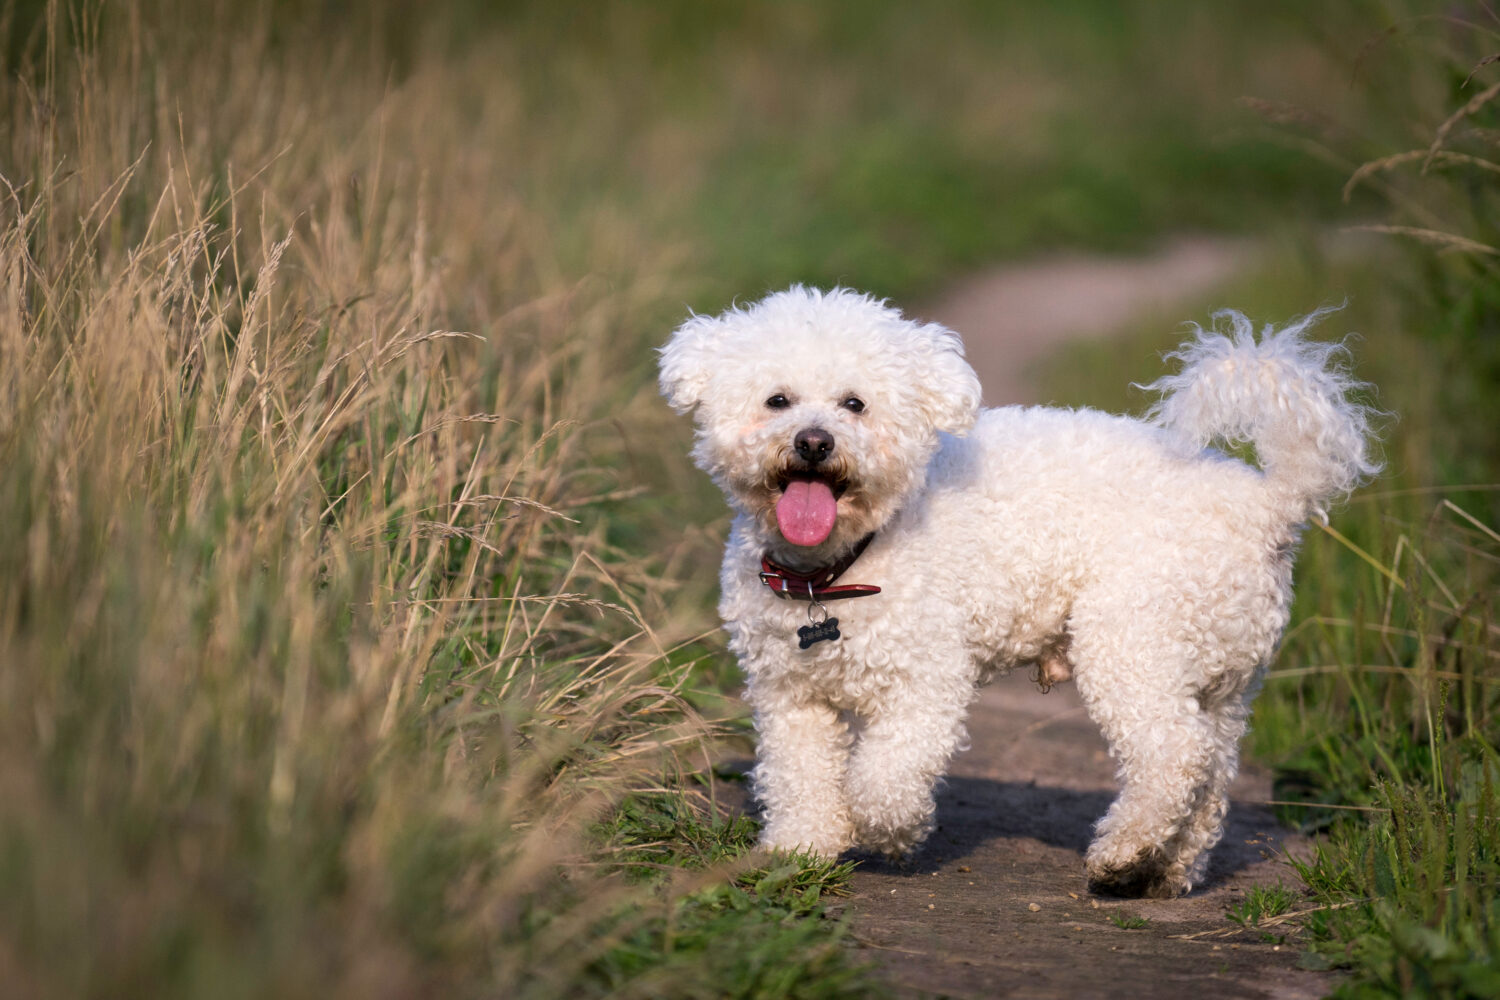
(356, 629)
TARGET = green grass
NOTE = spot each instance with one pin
(1129, 921)
(784, 943)
(1396, 661)
(892, 147)
(773, 910)
(1260, 903)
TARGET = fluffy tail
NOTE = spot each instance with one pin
(1287, 396)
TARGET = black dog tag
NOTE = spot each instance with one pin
(828, 629)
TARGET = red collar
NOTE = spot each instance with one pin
(817, 584)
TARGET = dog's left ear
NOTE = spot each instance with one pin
(686, 362)
(948, 388)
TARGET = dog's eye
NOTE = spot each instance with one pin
(778, 402)
(854, 404)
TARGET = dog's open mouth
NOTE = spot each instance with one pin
(808, 507)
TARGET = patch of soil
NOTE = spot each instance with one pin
(1015, 316)
(994, 905)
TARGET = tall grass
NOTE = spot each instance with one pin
(1385, 700)
(319, 668)
(1385, 704)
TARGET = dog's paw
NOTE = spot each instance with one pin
(1148, 875)
(824, 843)
(893, 841)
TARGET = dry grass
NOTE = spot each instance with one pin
(318, 665)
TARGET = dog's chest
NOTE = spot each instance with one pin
(843, 670)
(887, 644)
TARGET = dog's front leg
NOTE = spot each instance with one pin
(799, 774)
(903, 750)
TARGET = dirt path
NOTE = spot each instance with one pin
(1014, 317)
(995, 904)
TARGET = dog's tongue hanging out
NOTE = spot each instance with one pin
(806, 511)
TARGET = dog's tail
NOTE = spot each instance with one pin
(1286, 396)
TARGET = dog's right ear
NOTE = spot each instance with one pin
(687, 361)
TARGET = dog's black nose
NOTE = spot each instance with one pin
(813, 444)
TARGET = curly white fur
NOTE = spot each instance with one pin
(1155, 570)
(1285, 395)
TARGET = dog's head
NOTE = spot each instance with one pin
(817, 412)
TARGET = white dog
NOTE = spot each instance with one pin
(959, 543)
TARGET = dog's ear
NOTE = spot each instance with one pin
(687, 362)
(948, 388)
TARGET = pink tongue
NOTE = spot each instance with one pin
(806, 512)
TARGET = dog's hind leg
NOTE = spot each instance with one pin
(1205, 826)
(1190, 848)
(799, 775)
(1142, 846)
(1175, 760)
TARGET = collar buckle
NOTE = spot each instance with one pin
(778, 587)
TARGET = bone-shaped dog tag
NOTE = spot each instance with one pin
(828, 629)
(820, 627)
